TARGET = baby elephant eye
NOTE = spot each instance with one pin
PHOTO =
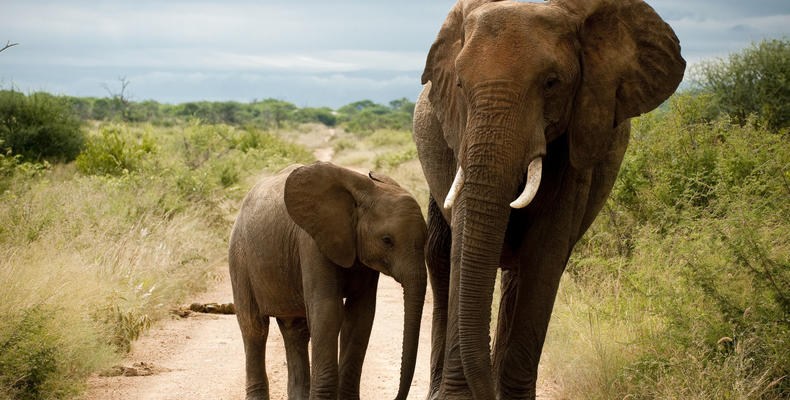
(387, 240)
(551, 82)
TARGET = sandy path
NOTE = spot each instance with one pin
(202, 356)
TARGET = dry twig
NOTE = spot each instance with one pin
(8, 44)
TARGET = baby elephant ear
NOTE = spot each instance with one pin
(321, 199)
(631, 63)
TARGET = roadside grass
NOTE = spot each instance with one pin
(681, 288)
(388, 151)
(94, 252)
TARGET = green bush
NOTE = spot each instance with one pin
(34, 359)
(755, 80)
(8, 164)
(322, 115)
(112, 153)
(395, 158)
(681, 288)
(39, 126)
(364, 117)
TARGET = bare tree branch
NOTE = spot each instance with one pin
(8, 44)
(122, 97)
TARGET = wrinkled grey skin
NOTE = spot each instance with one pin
(506, 83)
(305, 240)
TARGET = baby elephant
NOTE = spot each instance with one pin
(305, 240)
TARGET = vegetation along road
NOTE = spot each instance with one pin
(114, 212)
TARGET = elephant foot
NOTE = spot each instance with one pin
(257, 392)
(464, 394)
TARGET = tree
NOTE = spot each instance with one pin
(755, 80)
(8, 45)
(121, 99)
(276, 110)
(403, 104)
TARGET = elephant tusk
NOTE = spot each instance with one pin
(458, 183)
(534, 171)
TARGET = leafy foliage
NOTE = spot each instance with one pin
(364, 117)
(91, 253)
(682, 283)
(39, 126)
(112, 154)
(755, 80)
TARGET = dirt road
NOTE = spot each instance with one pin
(202, 356)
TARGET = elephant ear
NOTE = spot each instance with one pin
(445, 97)
(322, 199)
(631, 63)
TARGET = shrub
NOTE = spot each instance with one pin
(755, 80)
(322, 115)
(112, 153)
(39, 126)
(35, 360)
(364, 117)
(395, 158)
(680, 287)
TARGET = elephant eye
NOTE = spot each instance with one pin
(458, 82)
(551, 82)
(387, 240)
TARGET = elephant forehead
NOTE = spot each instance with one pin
(520, 17)
(524, 38)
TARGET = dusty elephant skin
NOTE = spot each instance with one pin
(305, 240)
(521, 128)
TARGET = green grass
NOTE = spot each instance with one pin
(389, 151)
(692, 247)
(93, 252)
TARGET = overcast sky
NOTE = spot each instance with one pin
(312, 53)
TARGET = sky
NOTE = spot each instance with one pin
(312, 53)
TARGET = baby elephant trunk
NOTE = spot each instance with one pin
(413, 300)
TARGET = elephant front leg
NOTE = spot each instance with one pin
(537, 288)
(437, 258)
(324, 317)
(358, 316)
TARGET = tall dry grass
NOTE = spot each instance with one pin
(90, 257)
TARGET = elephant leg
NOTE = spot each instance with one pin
(254, 335)
(254, 332)
(542, 260)
(437, 258)
(355, 334)
(324, 316)
(518, 370)
(296, 335)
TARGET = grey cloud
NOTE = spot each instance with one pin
(310, 52)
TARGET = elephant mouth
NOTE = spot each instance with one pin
(534, 173)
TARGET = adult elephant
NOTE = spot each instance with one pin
(525, 101)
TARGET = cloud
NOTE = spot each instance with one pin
(241, 49)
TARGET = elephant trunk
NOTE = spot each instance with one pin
(502, 139)
(486, 217)
(413, 300)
